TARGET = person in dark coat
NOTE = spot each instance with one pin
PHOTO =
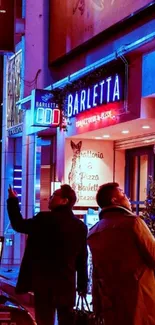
(56, 248)
(123, 254)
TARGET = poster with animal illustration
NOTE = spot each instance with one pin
(88, 164)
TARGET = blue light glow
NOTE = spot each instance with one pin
(37, 185)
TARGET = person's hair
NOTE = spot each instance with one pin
(68, 193)
(105, 194)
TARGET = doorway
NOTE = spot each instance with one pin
(140, 163)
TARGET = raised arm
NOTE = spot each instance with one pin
(17, 222)
(145, 241)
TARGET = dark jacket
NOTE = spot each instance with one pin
(56, 248)
(123, 251)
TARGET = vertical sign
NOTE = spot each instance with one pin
(13, 79)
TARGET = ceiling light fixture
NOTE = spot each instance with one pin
(125, 131)
(106, 136)
(98, 138)
(145, 127)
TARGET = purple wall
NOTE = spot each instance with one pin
(148, 74)
(36, 46)
(108, 42)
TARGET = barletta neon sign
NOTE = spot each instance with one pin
(107, 90)
(45, 112)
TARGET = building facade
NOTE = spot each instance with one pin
(99, 75)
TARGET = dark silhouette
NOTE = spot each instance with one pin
(56, 248)
(123, 253)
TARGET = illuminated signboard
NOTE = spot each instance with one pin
(105, 91)
(44, 111)
(99, 100)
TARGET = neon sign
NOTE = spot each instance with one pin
(107, 90)
(48, 116)
(94, 118)
(44, 111)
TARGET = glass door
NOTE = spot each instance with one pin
(139, 165)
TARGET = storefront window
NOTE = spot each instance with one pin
(45, 172)
(143, 177)
(139, 165)
(134, 178)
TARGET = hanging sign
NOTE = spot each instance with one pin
(44, 110)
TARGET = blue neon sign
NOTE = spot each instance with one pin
(105, 91)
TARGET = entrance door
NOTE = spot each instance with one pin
(139, 165)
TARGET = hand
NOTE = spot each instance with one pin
(11, 192)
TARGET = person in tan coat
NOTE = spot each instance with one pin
(123, 254)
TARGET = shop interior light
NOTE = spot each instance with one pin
(55, 186)
(106, 136)
(98, 138)
(125, 131)
(145, 127)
